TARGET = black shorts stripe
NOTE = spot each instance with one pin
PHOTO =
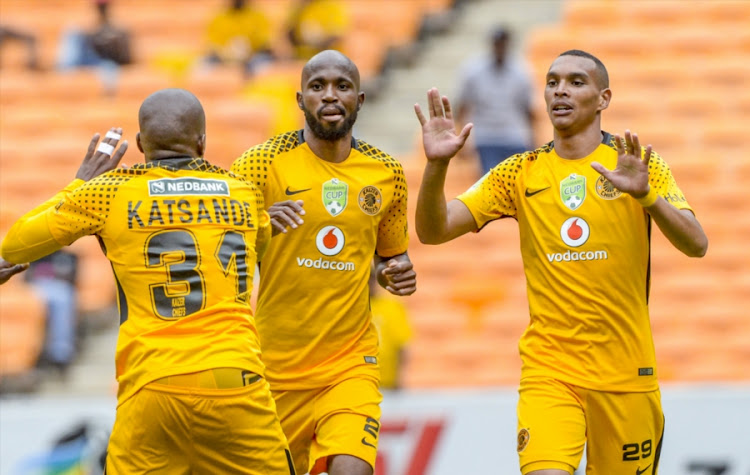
(290, 462)
(657, 454)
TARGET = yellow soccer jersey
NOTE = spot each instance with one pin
(181, 237)
(585, 248)
(313, 315)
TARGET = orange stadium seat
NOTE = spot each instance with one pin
(22, 327)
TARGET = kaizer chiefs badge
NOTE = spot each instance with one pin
(370, 200)
(605, 189)
(523, 439)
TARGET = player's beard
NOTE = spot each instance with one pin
(330, 134)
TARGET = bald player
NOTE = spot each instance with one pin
(183, 237)
(338, 203)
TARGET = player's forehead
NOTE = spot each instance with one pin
(569, 65)
(332, 71)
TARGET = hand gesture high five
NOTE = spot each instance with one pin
(441, 143)
(631, 174)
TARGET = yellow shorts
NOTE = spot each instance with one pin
(340, 419)
(203, 423)
(556, 420)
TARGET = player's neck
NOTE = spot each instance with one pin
(577, 145)
(334, 151)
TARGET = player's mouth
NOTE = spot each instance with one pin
(561, 109)
(332, 114)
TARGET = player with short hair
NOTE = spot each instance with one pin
(183, 237)
(345, 202)
(584, 204)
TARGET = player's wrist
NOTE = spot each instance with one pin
(649, 198)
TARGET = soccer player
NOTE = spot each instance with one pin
(584, 204)
(338, 203)
(183, 237)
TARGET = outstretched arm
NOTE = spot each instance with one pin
(436, 220)
(630, 176)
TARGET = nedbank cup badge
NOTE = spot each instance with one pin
(573, 191)
(335, 196)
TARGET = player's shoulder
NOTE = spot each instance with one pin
(656, 159)
(272, 147)
(110, 181)
(375, 153)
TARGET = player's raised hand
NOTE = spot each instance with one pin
(103, 158)
(441, 143)
(286, 214)
(399, 275)
(631, 174)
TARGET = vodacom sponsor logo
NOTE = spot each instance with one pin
(575, 232)
(330, 241)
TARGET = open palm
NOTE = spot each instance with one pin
(441, 143)
(631, 173)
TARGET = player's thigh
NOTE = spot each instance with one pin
(295, 410)
(238, 431)
(150, 435)
(625, 432)
(348, 422)
(551, 426)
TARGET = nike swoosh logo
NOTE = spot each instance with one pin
(529, 194)
(639, 472)
(290, 192)
(369, 444)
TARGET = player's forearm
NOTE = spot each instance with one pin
(30, 238)
(680, 227)
(432, 210)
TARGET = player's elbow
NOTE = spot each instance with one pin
(698, 248)
(429, 236)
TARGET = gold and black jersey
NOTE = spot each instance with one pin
(313, 314)
(181, 236)
(585, 248)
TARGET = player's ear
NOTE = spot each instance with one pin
(300, 104)
(604, 97)
(200, 147)
(138, 142)
(360, 99)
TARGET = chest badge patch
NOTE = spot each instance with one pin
(370, 200)
(335, 194)
(605, 189)
(573, 191)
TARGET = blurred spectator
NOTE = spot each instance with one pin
(317, 25)
(391, 319)
(80, 450)
(106, 47)
(54, 277)
(8, 33)
(240, 34)
(495, 93)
